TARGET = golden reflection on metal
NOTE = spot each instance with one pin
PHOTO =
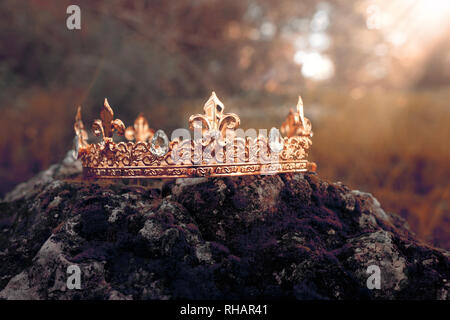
(296, 124)
(220, 155)
(140, 131)
(80, 132)
(214, 119)
(107, 124)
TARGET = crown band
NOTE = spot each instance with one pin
(217, 149)
(217, 170)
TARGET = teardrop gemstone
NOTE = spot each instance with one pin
(160, 144)
(276, 142)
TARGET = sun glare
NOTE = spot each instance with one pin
(409, 23)
(433, 10)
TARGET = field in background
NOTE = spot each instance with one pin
(394, 145)
(397, 147)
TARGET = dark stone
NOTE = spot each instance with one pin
(287, 236)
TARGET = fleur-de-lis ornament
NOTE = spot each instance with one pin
(140, 131)
(107, 125)
(214, 119)
(296, 124)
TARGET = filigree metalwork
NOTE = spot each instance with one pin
(217, 151)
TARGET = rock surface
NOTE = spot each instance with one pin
(279, 236)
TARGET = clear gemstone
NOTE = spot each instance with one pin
(276, 142)
(215, 134)
(160, 144)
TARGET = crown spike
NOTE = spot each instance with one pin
(108, 107)
(81, 135)
(106, 125)
(213, 110)
(300, 110)
(78, 114)
(296, 124)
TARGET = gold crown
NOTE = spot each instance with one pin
(218, 147)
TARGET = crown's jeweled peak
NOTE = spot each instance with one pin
(215, 150)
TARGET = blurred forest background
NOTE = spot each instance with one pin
(374, 76)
